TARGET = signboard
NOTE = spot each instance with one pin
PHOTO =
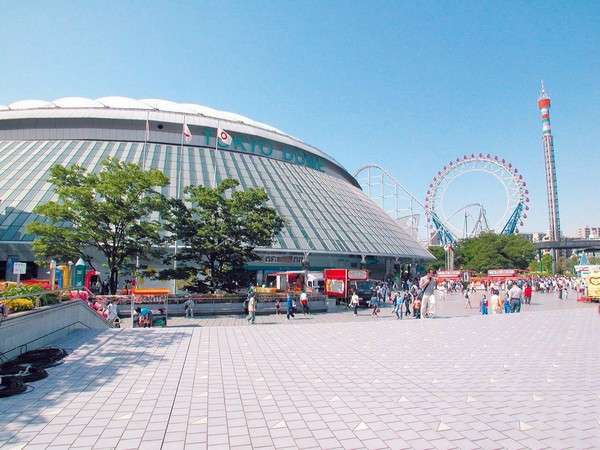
(79, 276)
(584, 269)
(593, 285)
(357, 274)
(448, 273)
(502, 272)
(442, 275)
(19, 268)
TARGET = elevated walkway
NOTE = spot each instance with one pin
(34, 329)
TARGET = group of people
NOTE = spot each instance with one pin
(409, 298)
(417, 298)
(505, 301)
(508, 296)
(251, 304)
(108, 312)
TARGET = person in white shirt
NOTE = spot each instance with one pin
(304, 303)
(514, 294)
(427, 284)
(111, 310)
(354, 301)
(252, 309)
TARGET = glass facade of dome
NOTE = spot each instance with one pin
(326, 212)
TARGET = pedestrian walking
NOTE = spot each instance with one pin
(515, 293)
(483, 305)
(467, 299)
(354, 302)
(304, 303)
(527, 291)
(289, 305)
(188, 306)
(398, 301)
(427, 284)
(407, 302)
(506, 303)
(111, 310)
(252, 310)
(375, 305)
(417, 308)
(494, 302)
(277, 306)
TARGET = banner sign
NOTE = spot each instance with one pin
(358, 274)
(502, 272)
(585, 269)
(448, 273)
(593, 285)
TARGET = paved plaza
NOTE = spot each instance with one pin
(529, 380)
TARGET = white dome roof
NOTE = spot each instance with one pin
(115, 106)
(77, 102)
(31, 104)
(155, 104)
(123, 103)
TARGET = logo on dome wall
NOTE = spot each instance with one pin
(264, 147)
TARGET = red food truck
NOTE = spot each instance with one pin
(338, 282)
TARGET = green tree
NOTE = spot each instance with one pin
(571, 263)
(562, 265)
(547, 263)
(107, 212)
(440, 258)
(494, 251)
(219, 229)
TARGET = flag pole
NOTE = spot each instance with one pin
(146, 138)
(144, 155)
(177, 195)
(216, 151)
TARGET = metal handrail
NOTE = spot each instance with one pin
(24, 346)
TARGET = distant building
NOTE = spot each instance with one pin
(528, 236)
(588, 232)
(539, 236)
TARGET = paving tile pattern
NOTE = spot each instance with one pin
(529, 380)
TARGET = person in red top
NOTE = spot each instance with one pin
(527, 294)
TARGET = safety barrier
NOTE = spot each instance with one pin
(209, 304)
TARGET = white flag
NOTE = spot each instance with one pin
(187, 134)
(224, 137)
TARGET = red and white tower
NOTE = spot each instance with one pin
(551, 186)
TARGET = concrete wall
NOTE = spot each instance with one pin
(34, 329)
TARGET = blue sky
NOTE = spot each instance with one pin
(409, 85)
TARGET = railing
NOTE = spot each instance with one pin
(27, 346)
(206, 304)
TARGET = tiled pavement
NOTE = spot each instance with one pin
(529, 380)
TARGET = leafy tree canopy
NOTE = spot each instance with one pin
(494, 251)
(218, 229)
(108, 212)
